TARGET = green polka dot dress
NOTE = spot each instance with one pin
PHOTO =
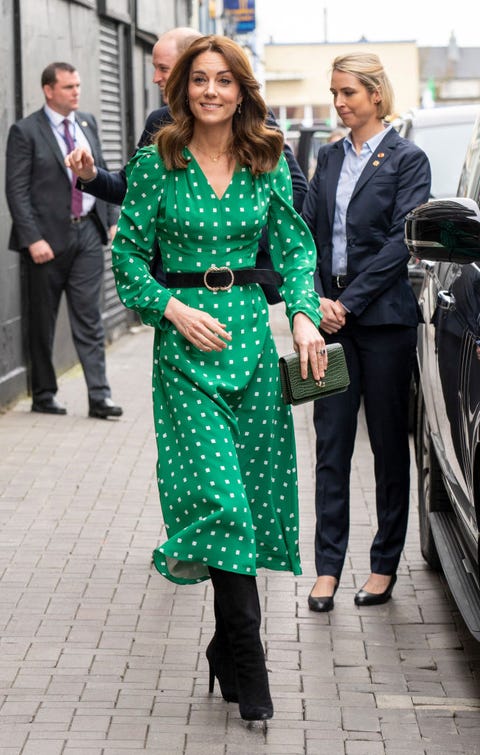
(226, 450)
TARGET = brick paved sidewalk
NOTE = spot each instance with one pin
(101, 656)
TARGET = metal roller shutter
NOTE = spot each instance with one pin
(115, 315)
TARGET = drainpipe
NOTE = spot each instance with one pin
(17, 57)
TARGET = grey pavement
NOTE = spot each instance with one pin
(99, 655)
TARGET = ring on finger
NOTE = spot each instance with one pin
(322, 352)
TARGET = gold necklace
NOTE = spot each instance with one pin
(214, 158)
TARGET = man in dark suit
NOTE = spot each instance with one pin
(61, 232)
(111, 187)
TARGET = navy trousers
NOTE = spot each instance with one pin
(380, 361)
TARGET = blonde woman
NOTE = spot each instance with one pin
(362, 189)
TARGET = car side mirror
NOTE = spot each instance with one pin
(444, 230)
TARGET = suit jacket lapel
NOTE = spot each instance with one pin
(375, 162)
(333, 172)
(46, 131)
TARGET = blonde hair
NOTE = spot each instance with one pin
(253, 144)
(368, 69)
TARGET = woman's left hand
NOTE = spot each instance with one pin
(309, 343)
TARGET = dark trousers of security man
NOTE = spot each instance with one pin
(78, 270)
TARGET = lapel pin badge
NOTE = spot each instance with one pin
(84, 124)
(381, 154)
(375, 163)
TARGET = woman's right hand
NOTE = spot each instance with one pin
(81, 162)
(197, 326)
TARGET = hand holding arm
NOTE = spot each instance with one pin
(81, 162)
(333, 315)
(310, 345)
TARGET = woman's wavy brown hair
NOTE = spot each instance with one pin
(253, 144)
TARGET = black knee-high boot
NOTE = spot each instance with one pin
(239, 605)
(220, 659)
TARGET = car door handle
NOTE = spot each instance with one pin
(446, 301)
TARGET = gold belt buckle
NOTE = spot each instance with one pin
(215, 269)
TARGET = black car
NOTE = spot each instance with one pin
(443, 132)
(306, 142)
(445, 235)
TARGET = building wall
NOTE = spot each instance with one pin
(155, 16)
(69, 30)
(57, 30)
(12, 361)
(299, 74)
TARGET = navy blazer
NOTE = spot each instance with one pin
(38, 184)
(395, 180)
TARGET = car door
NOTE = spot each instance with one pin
(456, 383)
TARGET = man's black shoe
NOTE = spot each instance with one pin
(104, 409)
(48, 406)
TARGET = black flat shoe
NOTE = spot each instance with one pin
(322, 603)
(104, 409)
(364, 598)
(48, 406)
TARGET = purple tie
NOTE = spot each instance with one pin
(77, 199)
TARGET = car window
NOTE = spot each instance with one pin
(445, 147)
(305, 145)
(291, 138)
(469, 184)
(318, 138)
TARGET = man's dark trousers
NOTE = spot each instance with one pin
(78, 270)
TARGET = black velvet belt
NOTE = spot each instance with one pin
(223, 278)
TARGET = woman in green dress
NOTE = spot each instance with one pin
(226, 452)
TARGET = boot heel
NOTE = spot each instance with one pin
(221, 666)
(211, 677)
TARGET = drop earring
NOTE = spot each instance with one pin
(239, 108)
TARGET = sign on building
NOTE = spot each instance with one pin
(240, 15)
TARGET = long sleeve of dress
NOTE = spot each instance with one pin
(133, 248)
(292, 248)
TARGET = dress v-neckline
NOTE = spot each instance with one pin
(219, 198)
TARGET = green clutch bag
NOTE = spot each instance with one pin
(295, 390)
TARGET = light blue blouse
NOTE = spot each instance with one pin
(352, 167)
